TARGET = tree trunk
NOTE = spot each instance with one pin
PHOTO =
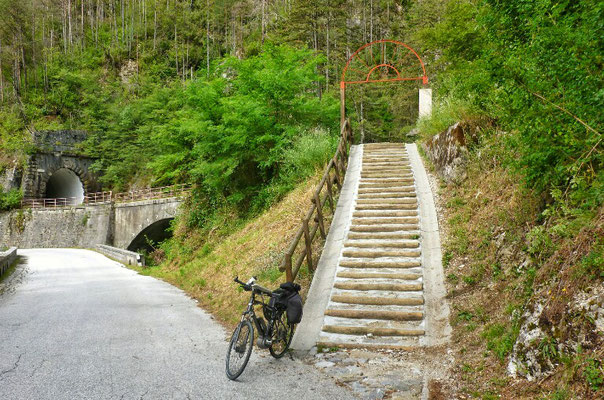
(176, 49)
(82, 23)
(123, 22)
(69, 19)
(154, 24)
(1, 76)
(327, 51)
(207, 38)
(263, 22)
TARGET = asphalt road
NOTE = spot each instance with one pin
(76, 325)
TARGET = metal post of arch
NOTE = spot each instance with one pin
(381, 61)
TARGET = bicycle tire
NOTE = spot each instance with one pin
(240, 349)
(282, 338)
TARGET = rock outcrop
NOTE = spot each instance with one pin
(448, 152)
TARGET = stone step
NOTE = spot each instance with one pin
(352, 253)
(386, 195)
(388, 201)
(384, 213)
(376, 314)
(380, 220)
(385, 159)
(385, 171)
(408, 343)
(365, 207)
(384, 177)
(389, 166)
(375, 331)
(352, 263)
(398, 287)
(394, 179)
(386, 166)
(374, 275)
(384, 228)
(386, 184)
(381, 301)
(413, 244)
(383, 235)
(406, 189)
(385, 153)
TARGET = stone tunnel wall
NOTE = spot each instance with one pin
(56, 150)
(41, 166)
(85, 226)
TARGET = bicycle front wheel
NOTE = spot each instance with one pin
(240, 349)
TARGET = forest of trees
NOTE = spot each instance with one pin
(135, 73)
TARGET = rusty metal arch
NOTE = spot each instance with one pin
(387, 64)
(384, 62)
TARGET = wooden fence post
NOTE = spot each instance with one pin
(308, 243)
(288, 268)
(330, 193)
(337, 169)
(317, 201)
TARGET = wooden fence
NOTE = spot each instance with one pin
(109, 197)
(317, 218)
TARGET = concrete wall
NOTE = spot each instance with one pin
(425, 102)
(121, 255)
(7, 258)
(85, 226)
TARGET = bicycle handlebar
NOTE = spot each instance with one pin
(252, 286)
(244, 285)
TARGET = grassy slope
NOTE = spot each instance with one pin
(496, 268)
(254, 249)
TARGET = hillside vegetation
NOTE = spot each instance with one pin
(239, 98)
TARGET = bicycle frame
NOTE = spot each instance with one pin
(250, 313)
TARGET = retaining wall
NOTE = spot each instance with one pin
(65, 227)
(7, 258)
(121, 255)
(83, 226)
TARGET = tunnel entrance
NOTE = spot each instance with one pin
(150, 237)
(64, 183)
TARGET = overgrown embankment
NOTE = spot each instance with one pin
(204, 264)
(523, 201)
(525, 278)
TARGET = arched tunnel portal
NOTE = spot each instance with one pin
(151, 236)
(64, 183)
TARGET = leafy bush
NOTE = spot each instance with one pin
(10, 200)
(594, 374)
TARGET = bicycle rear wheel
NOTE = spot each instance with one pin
(240, 349)
(283, 332)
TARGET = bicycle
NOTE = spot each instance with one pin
(275, 333)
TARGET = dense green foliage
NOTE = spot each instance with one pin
(232, 134)
(535, 67)
(10, 199)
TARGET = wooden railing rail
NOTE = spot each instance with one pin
(318, 217)
(109, 197)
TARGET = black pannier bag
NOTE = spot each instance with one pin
(293, 302)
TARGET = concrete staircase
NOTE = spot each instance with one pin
(377, 298)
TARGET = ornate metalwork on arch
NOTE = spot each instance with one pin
(383, 61)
